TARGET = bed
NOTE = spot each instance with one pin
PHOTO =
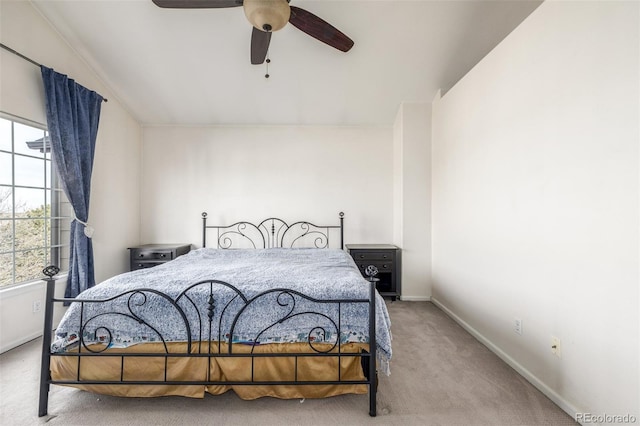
(271, 309)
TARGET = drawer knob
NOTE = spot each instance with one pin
(362, 256)
(163, 255)
(140, 255)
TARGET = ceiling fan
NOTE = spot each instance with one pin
(267, 16)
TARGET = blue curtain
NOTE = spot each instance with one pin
(73, 113)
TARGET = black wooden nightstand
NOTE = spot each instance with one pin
(385, 257)
(150, 255)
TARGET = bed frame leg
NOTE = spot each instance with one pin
(372, 401)
(45, 372)
(373, 379)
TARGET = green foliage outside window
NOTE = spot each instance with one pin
(30, 233)
(32, 227)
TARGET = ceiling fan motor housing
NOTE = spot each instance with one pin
(267, 15)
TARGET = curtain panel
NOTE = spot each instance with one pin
(73, 114)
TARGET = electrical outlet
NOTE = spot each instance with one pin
(556, 346)
(36, 306)
(517, 325)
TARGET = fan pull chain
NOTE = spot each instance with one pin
(267, 66)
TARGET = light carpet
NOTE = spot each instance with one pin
(440, 375)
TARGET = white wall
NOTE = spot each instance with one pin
(251, 173)
(114, 208)
(412, 197)
(535, 202)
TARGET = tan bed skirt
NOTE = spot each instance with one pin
(221, 369)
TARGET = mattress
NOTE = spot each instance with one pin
(239, 301)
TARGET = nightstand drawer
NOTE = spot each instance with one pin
(382, 266)
(141, 254)
(144, 265)
(360, 256)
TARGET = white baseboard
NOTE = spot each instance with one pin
(15, 343)
(535, 381)
(415, 298)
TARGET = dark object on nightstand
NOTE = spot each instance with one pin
(150, 255)
(387, 259)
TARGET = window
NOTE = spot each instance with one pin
(35, 215)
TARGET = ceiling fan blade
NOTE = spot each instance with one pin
(259, 46)
(197, 4)
(319, 29)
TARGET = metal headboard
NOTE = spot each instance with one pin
(273, 233)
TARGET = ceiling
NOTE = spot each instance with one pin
(170, 66)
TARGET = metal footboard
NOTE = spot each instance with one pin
(213, 324)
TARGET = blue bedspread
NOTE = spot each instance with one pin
(138, 317)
